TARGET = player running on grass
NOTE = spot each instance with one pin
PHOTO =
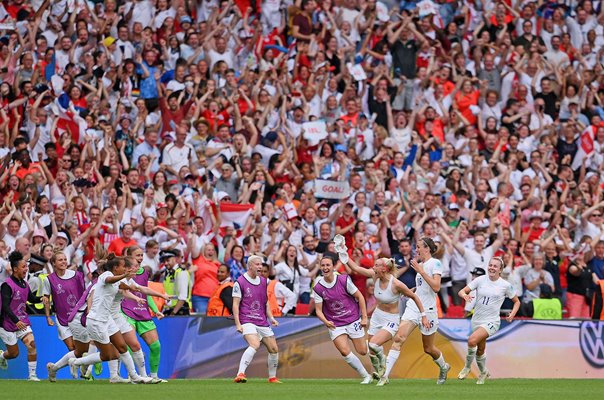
(14, 322)
(100, 323)
(76, 321)
(126, 329)
(341, 307)
(427, 282)
(138, 314)
(385, 319)
(491, 291)
(63, 288)
(252, 314)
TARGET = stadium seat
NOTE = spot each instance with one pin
(455, 312)
(301, 309)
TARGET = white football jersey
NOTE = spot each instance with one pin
(423, 290)
(116, 308)
(103, 298)
(489, 298)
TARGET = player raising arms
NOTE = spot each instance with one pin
(66, 287)
(385, 320)
(101, 327)
(138, 314)
(427, 283)
(252, 314)
(491, 291)
(341, 307)
(14, 322)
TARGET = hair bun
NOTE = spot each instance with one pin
(15, 257)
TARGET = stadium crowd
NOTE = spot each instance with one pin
(207, 131)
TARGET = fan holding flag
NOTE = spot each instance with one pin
(69, 119)
(586, 146)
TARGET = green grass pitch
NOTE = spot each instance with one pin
(307, 389)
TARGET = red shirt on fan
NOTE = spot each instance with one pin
(343, 222)
(367, 262)
(104, 237)
(214, 120)
(118, 245)
(167, 115)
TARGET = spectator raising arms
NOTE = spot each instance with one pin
(206, 135)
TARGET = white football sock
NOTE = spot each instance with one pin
(128, 362)
(378, 351)
(440, 361)
(139, 360)
(88, 359)
(246, 359)
(470, 356)
(390, 361)
(114, 367)
(355, 363)
(31, 367)
(374, 361)
(482, 363)
(273, 363)
(64, 360)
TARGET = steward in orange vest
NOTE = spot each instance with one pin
(281, 300)
(221, 302)
(272, 299)
(597, 307)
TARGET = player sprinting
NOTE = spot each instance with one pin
(427, 283)
(491, 291)
(138, 315)
(100, 324)
(341, 307)
(125, 328)
(14, 322)
(252, 314)
(385, 320)
(63, 288)
(76, 321)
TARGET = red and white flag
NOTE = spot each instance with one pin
(68, 120)
(290, 210)
(235, 214)
(586, 146)
(232, 215)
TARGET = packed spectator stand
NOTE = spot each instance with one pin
(207, 131)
